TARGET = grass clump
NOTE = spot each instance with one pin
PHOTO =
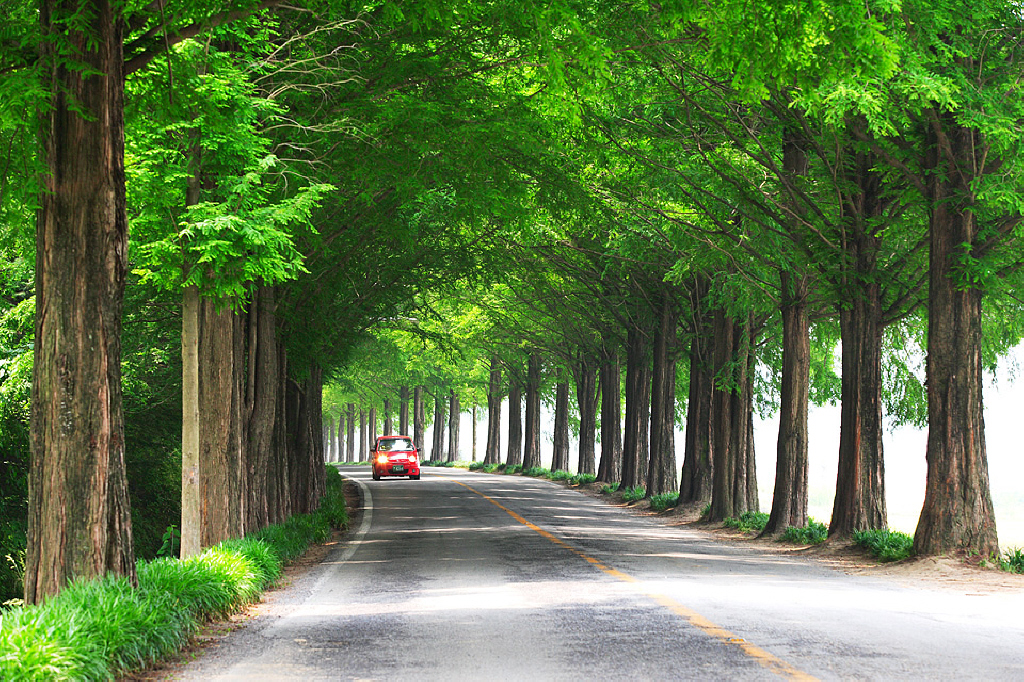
(560, 475)
(748, 521)
(475, 466)
(537, 472)
(582, 479)
(886, 545)
(814, 533)
(634, 494)
(610, 488)
(103, 628)
(513, 468)
(1013, 560)
(664, 501)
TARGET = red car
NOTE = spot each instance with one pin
(395, 456)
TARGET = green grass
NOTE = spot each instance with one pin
(1012, 560)
(748, 521)
(664, 501)
(513, 469)
(814, 533)
(610, 488)
(537, 472)
(634, 494)
(886, 545)
(582, 479)
(103, 628)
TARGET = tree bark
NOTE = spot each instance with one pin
(364, 440)
(531, 449)
(388, 426)
(403, 410)
(372, 423)
(191, 440)
(696, 477)
(492, 448)
(220, 447)
(262, 398)
(634, 448)
(789, 502)
(661, 476)
(473, 433)
(79, 519)
(610, 469)
(350, 446)
(514, 457)
(454, 414)
(586, 400)
(437, 451)
(419, 419)
(560, 454)
(957, 513)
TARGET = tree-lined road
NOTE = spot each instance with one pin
(469, 576)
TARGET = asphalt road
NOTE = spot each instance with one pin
(465, 576)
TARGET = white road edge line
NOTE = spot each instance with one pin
(364, 525)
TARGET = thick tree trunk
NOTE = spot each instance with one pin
(220, 448)
(350, 423)
(531, 449)
(957, 513)
(437, 451)
(454, 415)
(586, 400)
(79, 520)
(661, 476)
(473, 432)
(419, 419)
(329, 438)
(364, 437)
(514, 456)
(372, 423)
(262, 398)
(734, 481)
(388, 426)
(610, 469)
(634, 448)
(789, 502)
(278, 474)
(403, 410)
(560, 455)
(492, 448)
(695, 480)
(191, 439)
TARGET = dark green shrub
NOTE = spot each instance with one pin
(814, 533)
(1013, 560)
(885, 544)
(536, 472)
(664, 501)
(513, 469)
(560, 475)
(610, 488)
(748, 521)
(582, 479)
(634, 494)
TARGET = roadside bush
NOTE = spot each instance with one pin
(634, 494)
(514, 469)
(537, 472)
(491, 468)
(664, 501)
(884, 544)
(1012, 560)
(814, 533)
(748, 521)
(582, 479)
(103, 628)
(560, 475)
(610, 488)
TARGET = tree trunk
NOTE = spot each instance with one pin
(957, 513)
(403, 410)
(388, 427)
(372, 423)
(191, 440)
(560, 455)
(262, 398)
(514, 457)
(79, 519)
(695, 481)
(350, 423)
(531, 450)
(364, 440)
(454, 414)
(789, 502)
(220, 447)
(419, 419)
(661, 477)
(586, 400)
(734, 483)
(610, 469)
(473, 432)
(492, 448)
(437, 451)
(279, 502)
(634, 448)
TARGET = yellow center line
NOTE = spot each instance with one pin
(766, 659)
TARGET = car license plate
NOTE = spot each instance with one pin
(397, 469)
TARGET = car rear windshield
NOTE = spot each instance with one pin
(396, 444)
